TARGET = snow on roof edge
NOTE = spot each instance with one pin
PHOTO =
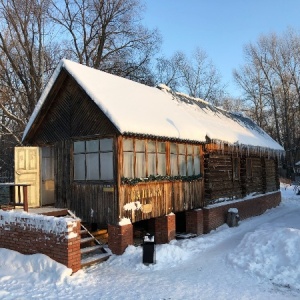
(73, 72)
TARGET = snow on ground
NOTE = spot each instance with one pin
(259, 259)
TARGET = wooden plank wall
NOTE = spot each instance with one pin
(95, 203)
(62, 174)
(159, 198)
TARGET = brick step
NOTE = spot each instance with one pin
(93, 259)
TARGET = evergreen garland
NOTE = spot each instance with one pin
(152, 178)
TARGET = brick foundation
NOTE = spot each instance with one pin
(58, 238)
(216, 215)
(164, 229)
(194, 221)
(119, 237)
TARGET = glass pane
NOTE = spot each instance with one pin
(79, 147)
(189, 149)
(140, 165)
(174, 165)
(151, 146)
(190, 169)
(161, 147)
(128, 165)
(79, 167)
(128, 145)
(139, 146)
(181, 149)
(197, 164)
(151, 164)
(182, 165)
(173, 148)
(92, 146)
(161, 164)
(107, 168)
(48, 168)
(196, 150)
(92, 166)
(106, 145)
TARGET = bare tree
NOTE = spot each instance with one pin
(196, 75)
(168, 71)
(271, 77)
(107, 35)
(22, 61)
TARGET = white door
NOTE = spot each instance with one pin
(27, 170)
(47, 176)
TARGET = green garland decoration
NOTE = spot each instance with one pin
(152, 178)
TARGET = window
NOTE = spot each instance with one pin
(151, 155)
(173, 159)
(143, 158)
(93, 159)
(235, 168)
(161, 158)
(140, 166)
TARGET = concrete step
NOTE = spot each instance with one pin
(87, 240)
(93, 259)
(91, 249)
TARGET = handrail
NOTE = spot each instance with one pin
(16, 191)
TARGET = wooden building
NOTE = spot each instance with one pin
(113, 150)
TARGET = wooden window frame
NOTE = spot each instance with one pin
(167, 154)
(98, 152)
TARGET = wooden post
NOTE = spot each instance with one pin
(12, 195)
(25, 198)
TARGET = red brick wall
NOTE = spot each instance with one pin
(194, 221)
(119, 237)
(215, 215)
(165, 229)
(59, 238)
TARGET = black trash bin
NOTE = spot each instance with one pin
(148, 250)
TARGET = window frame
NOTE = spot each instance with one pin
(99, 152)
(173, 153)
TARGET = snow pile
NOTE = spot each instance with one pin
(273, 254)
(31, 267)
(47, 224)
(258, 260)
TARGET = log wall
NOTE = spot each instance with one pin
(257, 175)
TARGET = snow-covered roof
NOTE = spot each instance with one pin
(139, 109)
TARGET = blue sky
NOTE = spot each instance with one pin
(220, 27)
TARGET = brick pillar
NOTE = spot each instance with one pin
(194, 221)
(73, 248)
(119, 237)
(165, 229)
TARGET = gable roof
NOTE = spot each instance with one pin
(139, 109)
